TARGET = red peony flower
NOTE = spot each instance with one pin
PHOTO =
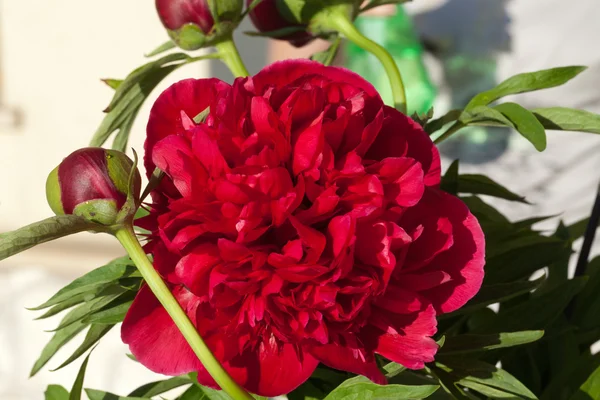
(300, 224)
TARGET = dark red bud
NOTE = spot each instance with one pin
(266, 17)
(176, 13)
(93, 183)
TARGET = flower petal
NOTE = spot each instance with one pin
(192, 96)
(270, 370)
(463, 260)
(400, 136)
(154, 339)
(346, 358)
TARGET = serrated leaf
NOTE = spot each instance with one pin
(93, 336)
(57, 341)
(56, 392)
(538, 312)
(525, 123)
(469, 343)
(568, 119)
(29, 236)
(114, 270)
(78, 385)
(326, 57)
(485, 378)
(481, 184)
(159, 387)
(526, 82)
(359, 388)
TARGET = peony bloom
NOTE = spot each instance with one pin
(300, 223)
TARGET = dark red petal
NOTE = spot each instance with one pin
(400, 136)
(270, 370)
(464, 259)
(356, 360)
(405, 339)
(154, 339)
(174, 156)
(283, 73)
(191, 96)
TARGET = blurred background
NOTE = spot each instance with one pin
(54, 52)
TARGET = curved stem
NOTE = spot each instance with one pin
(231, 57)
(342, 24)
(452, 130)
(129, 241)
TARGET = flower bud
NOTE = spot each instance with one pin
(194, 24)
(274, 17)
(94, 183)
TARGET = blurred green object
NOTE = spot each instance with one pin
(397, 34)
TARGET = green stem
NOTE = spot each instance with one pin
(129, 241)
(342, 24)
(453, 129)
(231, 57)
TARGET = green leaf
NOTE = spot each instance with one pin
(449, 181)
(326, 57)
(94, 394)
(485, 378)
(526, 82)
(95, 333)
(590, 389)
(475, 343)
(113, 83)
(131, 94)
(521, 256)
(59, 339)
(361, 388)
(159, 387)
(78, 385)
(483, 211)
(437, 124)
(536, 313)
(526, 124)
(587, 303)
(166, 46)
(568, 119)
(93, 280)
(113, 315)
(577, 229)
(483, 115)
(29, 236)
(87, 308)
(66, 304)
(481, 184)
(56, 392)
(490, 294)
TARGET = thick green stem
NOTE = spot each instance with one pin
(231, 57)
(343, 25)
(154, 281)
